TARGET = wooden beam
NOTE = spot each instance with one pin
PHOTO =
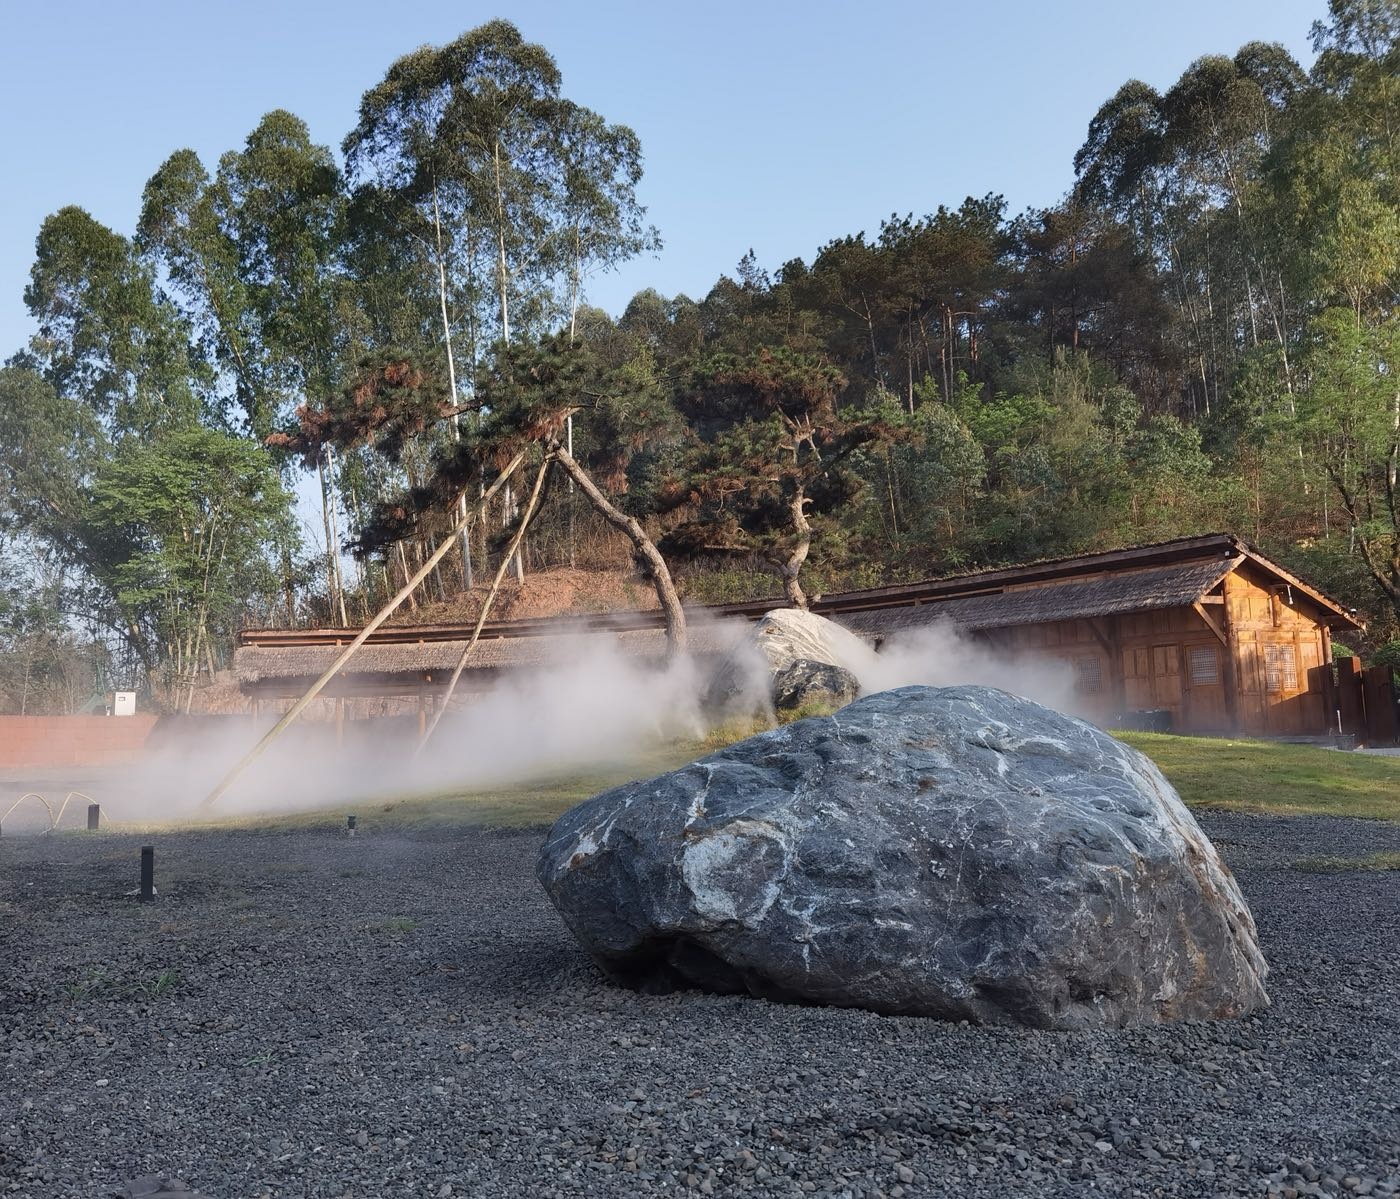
(1211, 624)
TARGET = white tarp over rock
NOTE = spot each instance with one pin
(775, 646)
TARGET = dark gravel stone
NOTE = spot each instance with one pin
(420, 988)
(957, 852)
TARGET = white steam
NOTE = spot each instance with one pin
(594, 707)
(940, 655)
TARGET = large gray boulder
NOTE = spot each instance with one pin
(955, 852)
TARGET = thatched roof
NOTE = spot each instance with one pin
(1069, 599)
(254, 664)
(1142, 578)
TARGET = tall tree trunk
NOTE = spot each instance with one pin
(569, 420)
(792, 565)
(452, 386)
(503, 286)
(332, 591)
(660, 573)
(335, 538)
(502, 269)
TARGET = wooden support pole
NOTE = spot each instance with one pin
(1209, 620)
(425, 734)
(335, 667)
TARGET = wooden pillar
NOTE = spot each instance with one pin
(1231, 675)
(340, 720)
(422, 715)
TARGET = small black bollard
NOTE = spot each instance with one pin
(94, 816)
(148, 874)
(350, 825)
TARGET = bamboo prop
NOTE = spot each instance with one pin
(384, 613)
(486, 606)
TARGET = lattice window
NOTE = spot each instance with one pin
(1280, 668)
(1205, 665)
(1088, 672)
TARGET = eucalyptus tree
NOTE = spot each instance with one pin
(1184, 170)
(510, 193)
(1222, 116)
(600, 223)
(1338, 172)
(108, 337)
(253, 253)
(1350, 408)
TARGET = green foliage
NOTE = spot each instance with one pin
(1203, 335)
(771, 450)
(108, 339)
(196, 507)
(1350, 416)
(1386, 655)
(251, 253)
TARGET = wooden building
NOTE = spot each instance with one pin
(1205, 630)
(1205, 633)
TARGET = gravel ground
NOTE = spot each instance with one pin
(305, 1014)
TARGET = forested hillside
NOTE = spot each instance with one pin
(1203, 335)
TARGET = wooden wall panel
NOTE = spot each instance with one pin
(1276, 648)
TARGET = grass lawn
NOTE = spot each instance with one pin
(1252, 776)
(1374, 861)
(1243, 776)
(1269, 776)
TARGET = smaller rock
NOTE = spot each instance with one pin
(804, 683)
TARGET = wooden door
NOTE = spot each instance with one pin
(1166, 677)
(1205, 688)
(1137, 678)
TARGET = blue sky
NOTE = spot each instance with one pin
(769, 124)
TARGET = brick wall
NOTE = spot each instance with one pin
(41, 741)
